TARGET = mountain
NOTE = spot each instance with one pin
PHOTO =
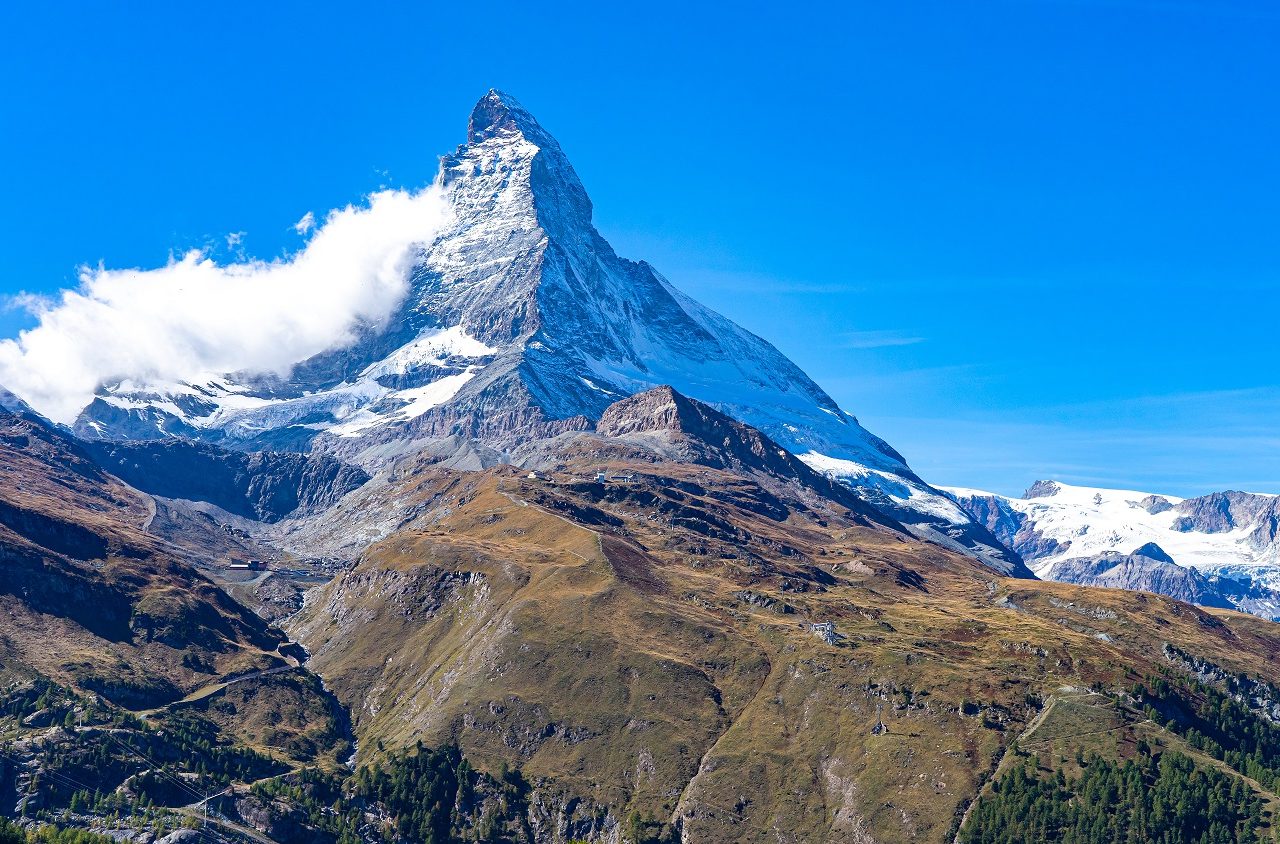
(90, 598)
(523, 323)
(1217, 550)
(714, 643)
(705, 641)
(1147, 569)
(11, 403)
(663, 425)
(559, 555)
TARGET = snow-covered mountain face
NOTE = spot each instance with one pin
(523, 323)
(1139, 540)
(13, 404)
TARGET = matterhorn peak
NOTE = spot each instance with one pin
(510, 164)
(497, 113)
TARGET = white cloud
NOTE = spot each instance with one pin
(879, 339)
(193, 318)
(306, 224)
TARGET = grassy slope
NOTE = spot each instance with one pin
(646, 647)
(90, 600)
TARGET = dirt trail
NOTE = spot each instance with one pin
(1003, 764)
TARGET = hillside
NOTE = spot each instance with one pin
(731, 655)
(90, 599)
(115, 652)
(554, 554)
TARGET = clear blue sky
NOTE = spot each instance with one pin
(1018, 238)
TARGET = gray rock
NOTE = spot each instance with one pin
(1220, 512)
(180, 836)
(1146, 569)
(1154, 504)
(265, 486)
(1041, 489)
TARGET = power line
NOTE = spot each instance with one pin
(71, 782)
(158, 768)
(55, 775)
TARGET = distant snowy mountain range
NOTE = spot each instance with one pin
(523, 323)
(1219, 549)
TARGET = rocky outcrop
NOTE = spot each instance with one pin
(1220, 512)
(1154, 504)
(1011, 527)
(692, 432)
(266, 486)
(1146, 569)
(1267, 529)
(1041, 489)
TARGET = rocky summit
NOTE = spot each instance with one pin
(557, 554)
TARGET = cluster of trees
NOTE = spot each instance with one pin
(1152, 799)
(27, 700)
(109, 764)
(63, 705)
(195, 743)
(11, 833)
(647, 830)
(83, 770)
(1216, 723)
(424, 796)
(429, 795)
(435, 796)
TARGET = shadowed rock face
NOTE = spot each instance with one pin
(1220, 512)
(49, 531)
(1147, 569)
(1009, 526)
(263, 485)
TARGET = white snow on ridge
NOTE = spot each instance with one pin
(229, 406)
(910, 495)
(430, 348)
